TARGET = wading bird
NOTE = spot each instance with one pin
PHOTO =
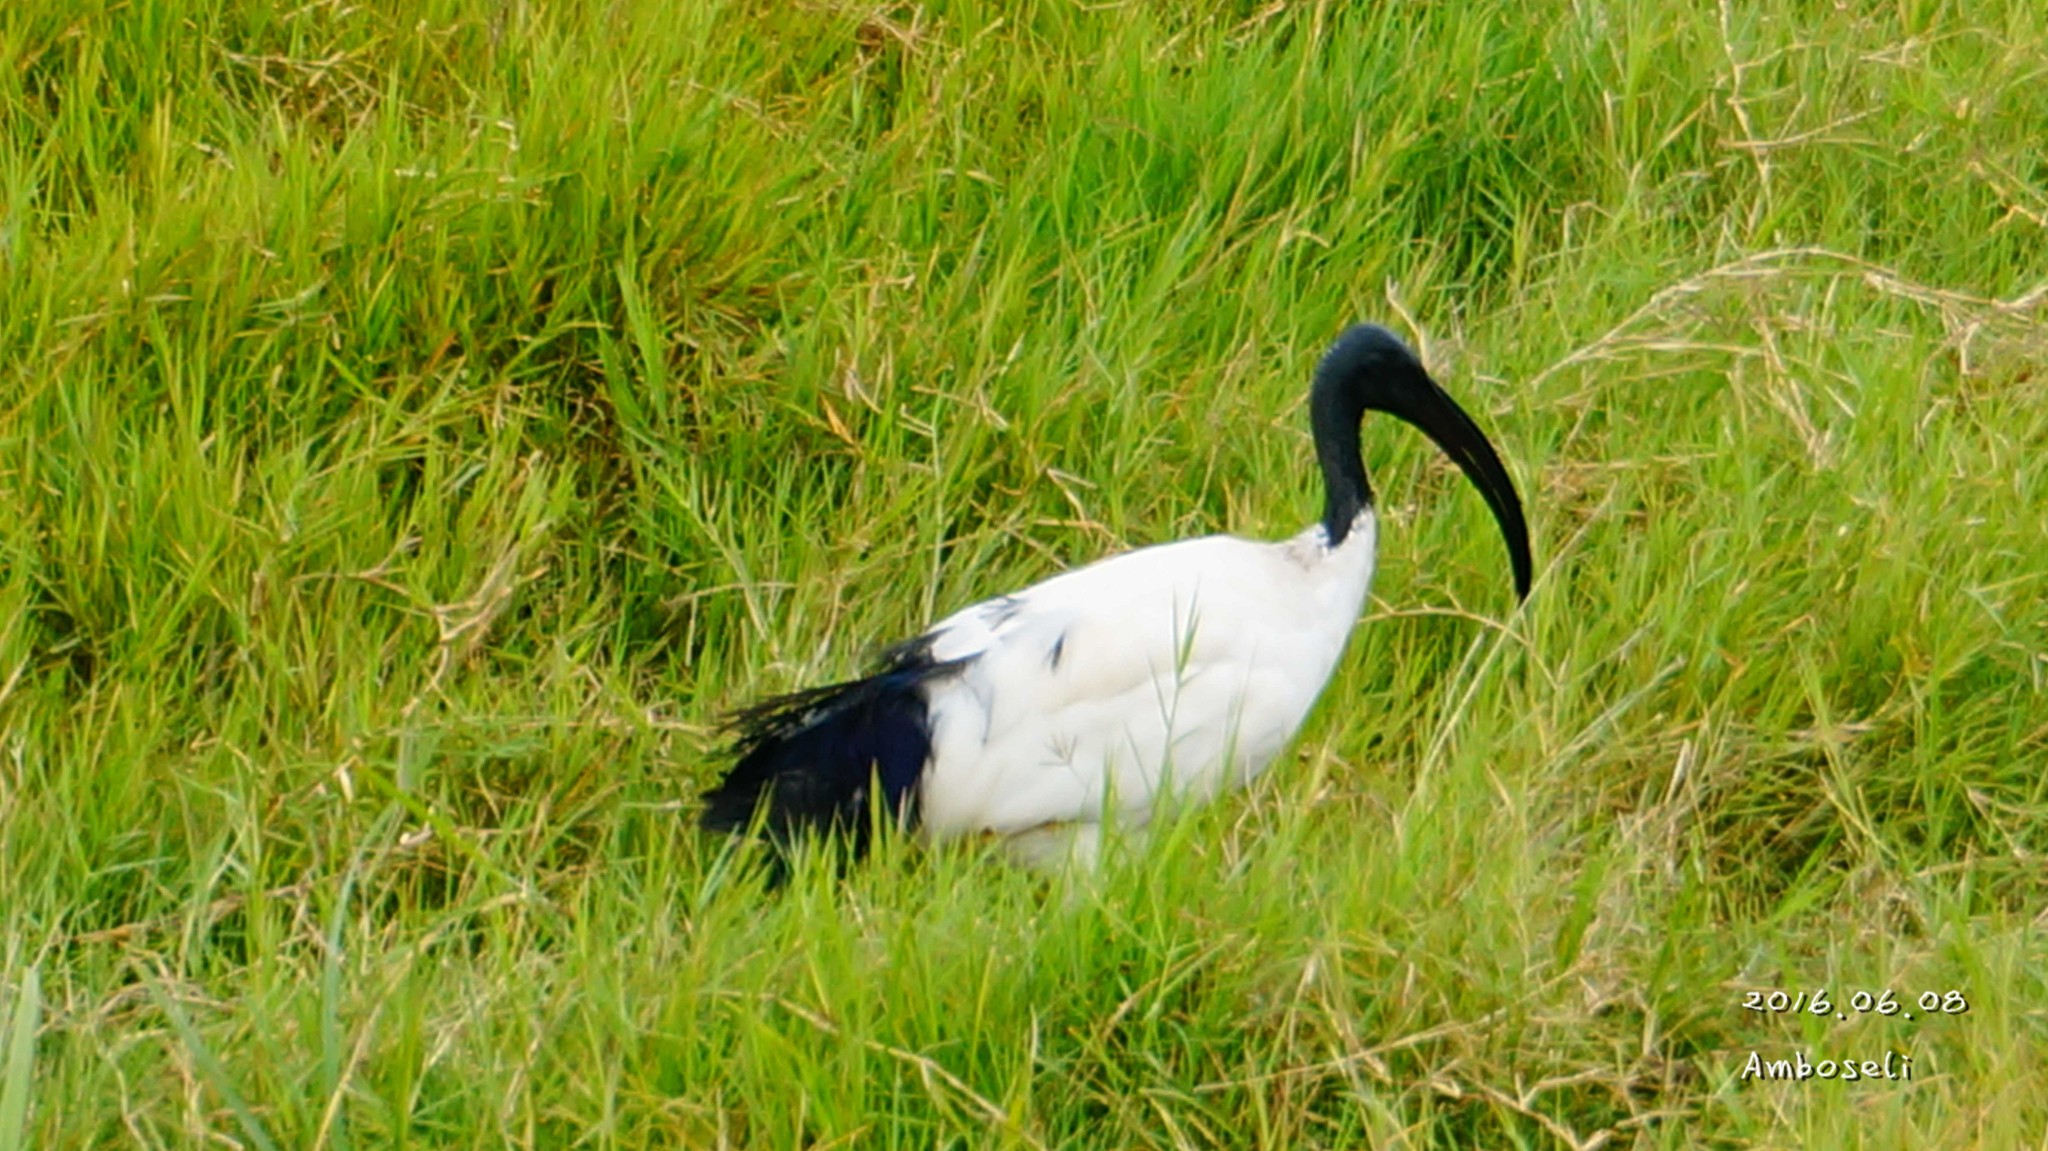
(1175, 670)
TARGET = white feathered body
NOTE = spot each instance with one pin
(1181, 670)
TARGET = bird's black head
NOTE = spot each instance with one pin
(1370, 369)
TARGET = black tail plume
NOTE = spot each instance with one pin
(806, 763)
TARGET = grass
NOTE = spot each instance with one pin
(418, 424)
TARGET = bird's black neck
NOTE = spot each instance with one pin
(1335, 404)
(1369, 369)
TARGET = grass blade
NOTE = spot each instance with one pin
(17, 1066)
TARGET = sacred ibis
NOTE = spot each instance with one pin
(1179, 669)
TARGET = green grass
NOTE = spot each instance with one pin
(418, 424)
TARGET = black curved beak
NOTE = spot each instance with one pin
(1432, 411)
(1391, 380)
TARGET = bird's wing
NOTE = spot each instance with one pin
(1093, 634)
(1088, 681)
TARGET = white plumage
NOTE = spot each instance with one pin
(1185, 666)
(1181, 669)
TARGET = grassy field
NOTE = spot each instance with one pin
(420, 423)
